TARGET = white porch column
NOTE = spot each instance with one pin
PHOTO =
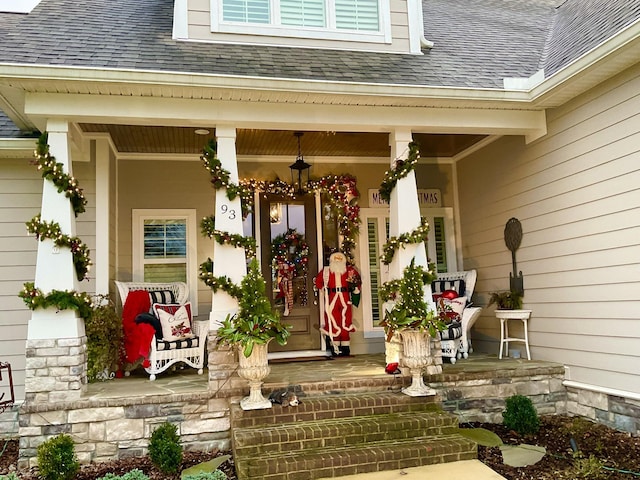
(56, 339)
(227, 260)
(404, 217)
(103, 214)
(404, 213)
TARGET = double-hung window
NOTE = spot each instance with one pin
(164, 244)
(357, 20)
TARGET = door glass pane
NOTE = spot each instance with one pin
(289, 255)
(330, 233)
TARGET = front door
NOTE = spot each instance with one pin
(289, 263)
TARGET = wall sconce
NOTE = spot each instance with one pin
(275, 213)
(300, 166)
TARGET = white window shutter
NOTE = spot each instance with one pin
(357, 15)
(246, 11)
(303, 13)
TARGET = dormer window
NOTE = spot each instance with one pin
(356, 20)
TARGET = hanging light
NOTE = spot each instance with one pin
(299, 165)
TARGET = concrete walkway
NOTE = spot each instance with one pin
(473, 469)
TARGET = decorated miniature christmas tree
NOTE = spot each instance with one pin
(256, 322)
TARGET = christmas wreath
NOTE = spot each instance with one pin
(291, 248)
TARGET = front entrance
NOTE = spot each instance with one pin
(288, 234)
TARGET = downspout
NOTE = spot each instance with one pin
(416, 27)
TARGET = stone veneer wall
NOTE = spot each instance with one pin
(9, 422)
(55, 369)
(611, 410)
(480, 397)
(121, 427)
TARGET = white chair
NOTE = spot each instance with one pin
(459, 347)
(163, 355)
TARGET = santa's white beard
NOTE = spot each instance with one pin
(337, 267)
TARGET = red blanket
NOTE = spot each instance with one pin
(137, 336)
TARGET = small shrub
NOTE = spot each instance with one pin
(11, 476)
(134, 474)
(57, 459)
(104, 340)
(215, 475)
(520, 415)
(165, 450)
(590, 468)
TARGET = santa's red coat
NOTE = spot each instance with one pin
(336, 294)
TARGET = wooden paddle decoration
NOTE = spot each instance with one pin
(512, 238)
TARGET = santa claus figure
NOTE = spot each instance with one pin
(339, 288)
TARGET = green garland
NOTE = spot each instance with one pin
(60, 299)
(223, 283)
(342, 194)
(54, 172)
(220, 177)
(400, 169)
(340, 190)
(388, 291)
(225, 238)
(51, 230)
(416, 236)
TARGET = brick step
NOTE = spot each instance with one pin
(372, 457)
(336, 432)
(324, 407)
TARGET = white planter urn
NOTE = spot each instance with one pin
(417, 352)
(254, 369)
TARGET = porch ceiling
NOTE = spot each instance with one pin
(184, 140)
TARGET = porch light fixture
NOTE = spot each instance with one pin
(300, 166)
(201, 131)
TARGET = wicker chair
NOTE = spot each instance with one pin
(456, 342)
(163, 355)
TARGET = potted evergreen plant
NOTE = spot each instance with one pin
(250, 331)
(415, 322)
(509, 300)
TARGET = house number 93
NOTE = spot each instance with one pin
(224, 208)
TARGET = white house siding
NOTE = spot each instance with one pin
(20, 200)
(576, 192)
(85, 172)
(199, 28)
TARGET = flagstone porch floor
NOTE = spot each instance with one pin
(340, 369)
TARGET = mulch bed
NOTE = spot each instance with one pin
(604, 453)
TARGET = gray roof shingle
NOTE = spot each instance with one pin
(581, 25)
(478, 42)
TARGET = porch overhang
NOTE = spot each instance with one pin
(284, 116)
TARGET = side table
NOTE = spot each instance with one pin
(504, 316)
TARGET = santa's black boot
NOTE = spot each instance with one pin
(345, 351)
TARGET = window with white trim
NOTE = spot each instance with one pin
(357, 20)
(164, 243)
(440, 250)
